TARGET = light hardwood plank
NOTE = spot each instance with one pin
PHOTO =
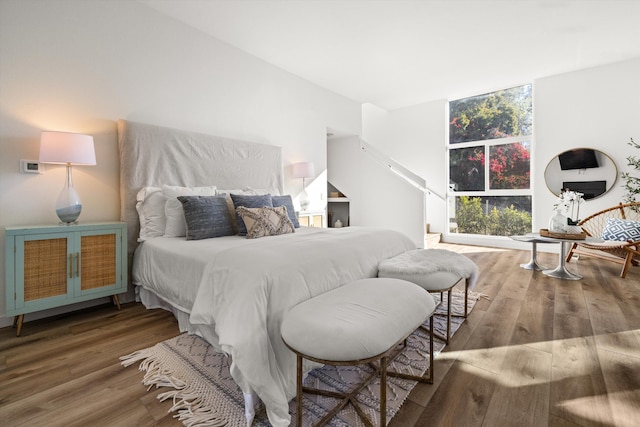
(522, 389)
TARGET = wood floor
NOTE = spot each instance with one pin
(537, 351)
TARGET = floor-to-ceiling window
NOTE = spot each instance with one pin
(489, 154)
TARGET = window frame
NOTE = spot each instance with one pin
(487, 192)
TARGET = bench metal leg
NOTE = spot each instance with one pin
(445, 337)
(420, 378)
(299, 391)
(383, 392)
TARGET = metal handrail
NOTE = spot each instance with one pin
(401, 171)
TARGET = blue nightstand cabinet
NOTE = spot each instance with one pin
(52, 266)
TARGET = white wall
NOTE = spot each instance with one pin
(80, 65)
(414, 137)
(377, 197)
(595, 108)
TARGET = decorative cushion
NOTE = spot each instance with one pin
(248, 201)
(175, 226)
(150, 206)
(246, 191)
(287, 202)
(621, 229)
(265, 221)
(206, 217)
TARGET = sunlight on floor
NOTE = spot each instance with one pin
(577, 370)
(596, 409)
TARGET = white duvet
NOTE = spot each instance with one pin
(244, 288)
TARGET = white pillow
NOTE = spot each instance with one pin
(150, 206)
(261, 191)
(175, 225)
(249, 191)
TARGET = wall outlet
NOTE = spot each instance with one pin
(31, 166)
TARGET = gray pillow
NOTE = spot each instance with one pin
(249, 201)
(287, 203)
(206, 217)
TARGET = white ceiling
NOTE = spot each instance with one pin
(397, 53)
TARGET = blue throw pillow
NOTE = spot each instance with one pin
(287, 203)
(249, 202)
(206, 217)
(621, 229)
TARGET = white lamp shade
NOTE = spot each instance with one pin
(67, 148)
(303, 170)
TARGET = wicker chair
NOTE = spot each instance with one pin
(626, 253)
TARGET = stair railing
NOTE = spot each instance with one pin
(395, 167)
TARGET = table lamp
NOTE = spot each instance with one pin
(67, 149)
(303, 170)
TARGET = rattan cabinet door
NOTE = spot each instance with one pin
(99, 262)
(43, 271)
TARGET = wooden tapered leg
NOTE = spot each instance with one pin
(116, 301)
(17, 323)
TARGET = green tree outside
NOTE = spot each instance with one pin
(509, 221)
(502, 114)
(491, 116)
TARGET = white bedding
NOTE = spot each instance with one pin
(172, 267)
(237, 291)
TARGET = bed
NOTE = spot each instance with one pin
(231, 290)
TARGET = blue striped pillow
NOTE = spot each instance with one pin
(206, 217)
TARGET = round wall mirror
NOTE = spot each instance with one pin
(584, 170)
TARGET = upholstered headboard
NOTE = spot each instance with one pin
(153, 156)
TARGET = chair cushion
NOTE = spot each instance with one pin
(357, 321)
(621, 230)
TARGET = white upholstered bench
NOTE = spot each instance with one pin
(435, 270)
(361, 322)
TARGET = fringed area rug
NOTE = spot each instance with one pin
(204, 394)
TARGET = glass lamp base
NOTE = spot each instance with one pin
(304, 200)
(69, 214)
(68, 204)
